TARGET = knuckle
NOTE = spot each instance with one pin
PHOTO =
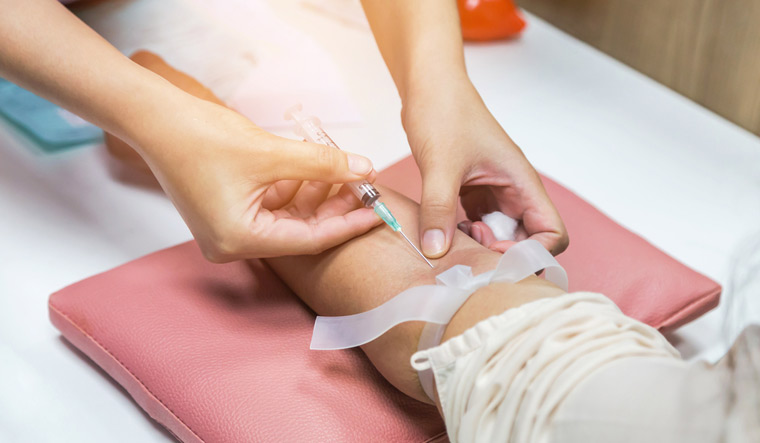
(325, 159)
(557, 242)
(437, 207)
(425, 155)
(564, 242)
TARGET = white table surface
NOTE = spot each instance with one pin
(659, 164)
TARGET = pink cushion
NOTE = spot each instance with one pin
(603, 256)
(221, 352)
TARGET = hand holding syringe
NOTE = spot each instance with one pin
(310, 129)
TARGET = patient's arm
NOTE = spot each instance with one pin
(371, 269)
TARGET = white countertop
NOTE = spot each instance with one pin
(673, 172)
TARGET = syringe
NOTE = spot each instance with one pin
(310, 129)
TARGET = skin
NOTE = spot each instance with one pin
(237, 187)
(152, 62)
(459, 146)
(338, 282)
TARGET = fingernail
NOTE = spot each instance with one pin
(432, 242)
(359, 165)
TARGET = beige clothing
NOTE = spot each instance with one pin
(572, 369)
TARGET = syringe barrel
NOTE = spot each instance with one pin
(311, 130)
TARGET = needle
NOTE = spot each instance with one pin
(415, 248)
(310, 129)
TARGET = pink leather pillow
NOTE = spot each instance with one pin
(603, 256)
(221, 352)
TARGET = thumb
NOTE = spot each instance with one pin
(440, 191)
(296, 160)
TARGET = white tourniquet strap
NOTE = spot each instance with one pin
(435, 304)
(421, 303)
(520, 261)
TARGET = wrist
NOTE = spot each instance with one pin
(430, 79)
(438, 93)
(141, 106)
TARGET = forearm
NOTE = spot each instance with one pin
(369, 270)
(48, 50)
(421, 42)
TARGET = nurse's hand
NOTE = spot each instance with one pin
(462, 150)
(240, 190)
(231, 181)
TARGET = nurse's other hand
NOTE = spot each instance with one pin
(462, 150)
(240, 189)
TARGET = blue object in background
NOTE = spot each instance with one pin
(51, 126)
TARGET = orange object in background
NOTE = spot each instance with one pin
(484, 20)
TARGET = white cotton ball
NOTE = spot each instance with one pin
(503, 226)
